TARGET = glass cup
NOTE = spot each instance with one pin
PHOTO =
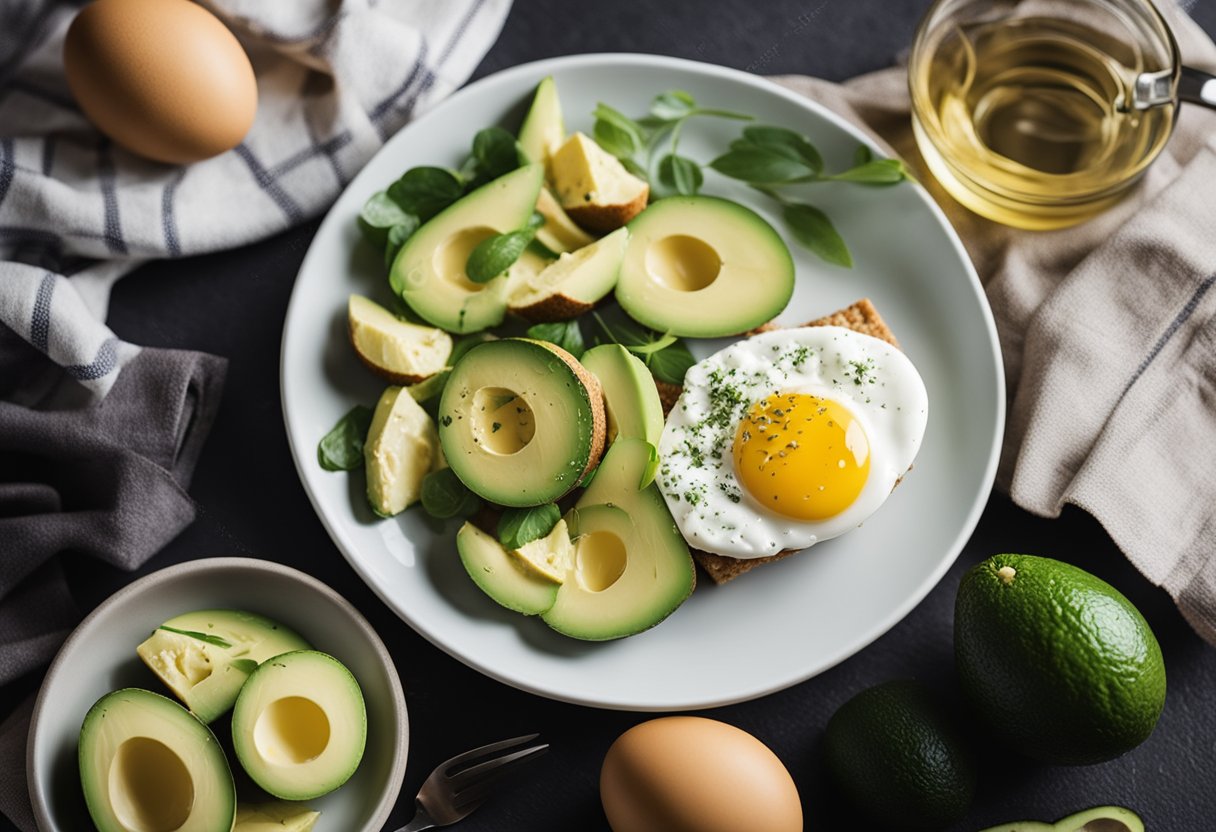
(1042, 113)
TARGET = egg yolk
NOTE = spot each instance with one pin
(802, 456)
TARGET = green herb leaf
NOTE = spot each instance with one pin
(761, 165)
(681, 174)
(246, 666)
(397, 235)
(635, 169)
(652, 466)
(519, 526)
(565, 334)
(426, 191)
(204, 637)
(342, 448)
(660, 343)
(444, 495)
(671, 364)
(623, 331)
(536, 221)
(496, 152)
(862, 155)
(875, 172)
(672, 104)
(379, 214)
(785, 142)
(813, 229)
(494, 255)
(615, 132)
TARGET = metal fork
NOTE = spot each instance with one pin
(459, 785)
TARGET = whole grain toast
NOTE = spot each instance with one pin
(860, 317)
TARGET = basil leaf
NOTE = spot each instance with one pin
(379, 214)
(565, 334)
(862, 155)
(786, 142)
(625, 332)
(815, 231)
(342, 448)
(635, 169)
(426, 191)
(672, 104)
(652, 466)
(671, 364)
(494, 255)
(444, 496)
(876, 172)
(661, 343)
(681, 174)
(397, 235)
(519, 526)
(761, 165)
(615, 132)
(204, 637)
(495, 151)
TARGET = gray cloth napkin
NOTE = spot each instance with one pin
(334, 81)
(1108, 331)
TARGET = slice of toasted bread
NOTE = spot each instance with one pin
(860, 317)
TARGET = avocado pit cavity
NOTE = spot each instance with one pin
(452, 255)
(291, 731)
(599, 560)
(683, 263)
(502, 421)
(150, 787)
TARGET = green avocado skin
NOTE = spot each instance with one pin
(896, 756)
(1058, 664)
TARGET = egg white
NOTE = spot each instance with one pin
(876, 382)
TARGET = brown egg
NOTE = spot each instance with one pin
(690, 774)
(163, 78)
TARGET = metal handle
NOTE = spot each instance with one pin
(1197, 87)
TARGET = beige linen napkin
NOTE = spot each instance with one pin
(1108, 331)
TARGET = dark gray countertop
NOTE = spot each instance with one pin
(251, 502)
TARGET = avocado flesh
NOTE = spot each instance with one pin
(559, 234)
(394, 347)
(276, 816)
(583, 173)
(400, 450)
(429, 271)
(205, 675)
(147, 764)
(704, 267)
(632, 568)
(631, 398)
(585, 276)
(501, 575)
(300, 725)
(1098, 819)
(542, 130)
(516, 423)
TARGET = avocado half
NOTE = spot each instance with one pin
(146, 763)
(521, 422)
(1098, 819)
(704, 267)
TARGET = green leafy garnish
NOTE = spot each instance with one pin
(652, 466)
(397, 235)
(566, 334)
(204, 637)
(762, 165)
(379, 214)
(444, 496)
(862, 155)
(671, 364)
(875, 172)
(665, 355)
(813, 229)
(425, 191)
(495, 254)
(342, 448)
(495, 152)
(519, 526)
(680, 174)
(615, 132)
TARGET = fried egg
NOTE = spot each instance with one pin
(788, 439)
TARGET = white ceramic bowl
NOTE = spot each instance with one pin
(100, 657)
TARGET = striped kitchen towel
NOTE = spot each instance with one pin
(76, 212)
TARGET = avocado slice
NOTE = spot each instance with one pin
(395, 349)
(542, 129)
(631, 397)
(204, 657)
(429, 271)
(274, 816)
(704, 267)
(559, 234)
(300, 725)
(1099, 819)
(502, 575)
(401, 448)
(594, 187)
(632, 568)
(146, 763)
(572, 284)
(520, 421)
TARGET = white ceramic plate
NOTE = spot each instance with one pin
(780, 624)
